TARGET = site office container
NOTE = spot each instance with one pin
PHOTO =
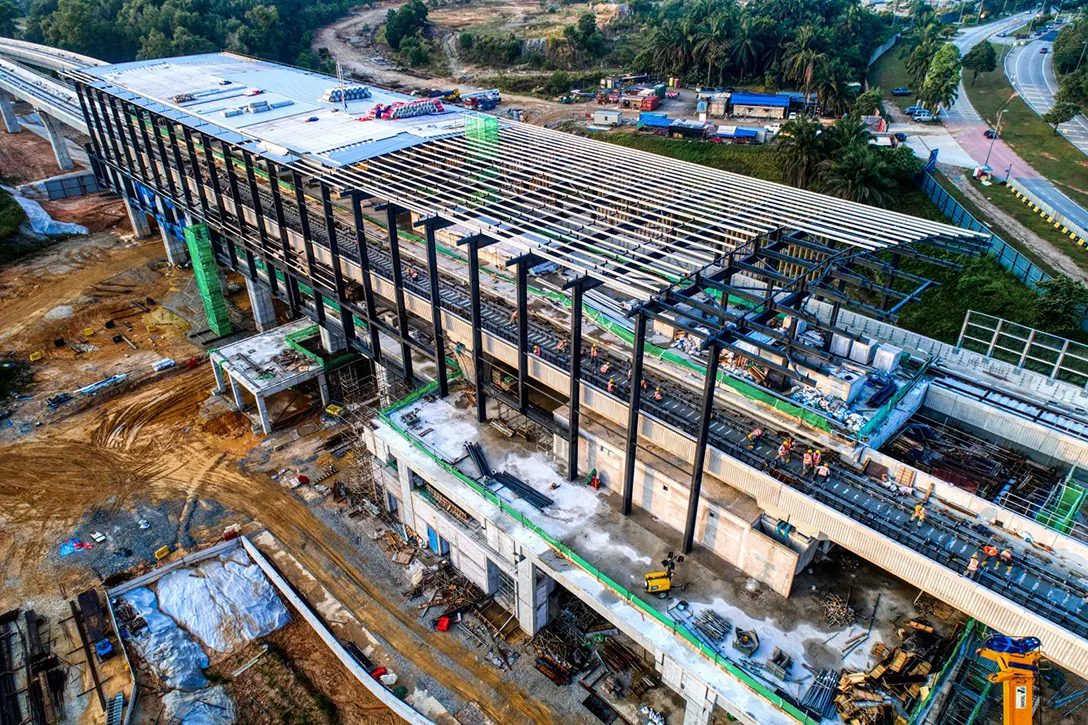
(650, 102)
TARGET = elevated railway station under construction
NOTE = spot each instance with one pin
(678, 336)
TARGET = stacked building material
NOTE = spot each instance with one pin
(407, 109)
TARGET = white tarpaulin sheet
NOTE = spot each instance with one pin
(210, 706)
(225, 602)
(39, 218)
(176, 658)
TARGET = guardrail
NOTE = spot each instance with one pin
(1060, 221)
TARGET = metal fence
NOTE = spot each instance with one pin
(1025, 347)
(1022, 267)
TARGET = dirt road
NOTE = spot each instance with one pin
(146, 446)
(1053, 256)
(346, 43)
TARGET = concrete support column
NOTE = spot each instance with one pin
(136, 217)
(697, 713)
(407, 507)
(236, 389)
(323, 384)
(59, 142)
(333, 340)
(260, 302)
(529, 618)
(176, 252)
(262, 409)
(220, 385)
(7, 110)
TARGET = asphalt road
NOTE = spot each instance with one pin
(1031, 73)
(967, 128)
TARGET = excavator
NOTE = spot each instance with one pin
(1019, 662)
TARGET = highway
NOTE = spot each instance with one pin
(42, 92)
(968, 129)
(1032, 75)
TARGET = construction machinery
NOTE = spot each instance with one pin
(1019, 661)
(660, 582)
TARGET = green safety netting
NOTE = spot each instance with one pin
(206, 274)
(1060, 512)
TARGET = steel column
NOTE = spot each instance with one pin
(347, 324)
(285, 241)
(634, 401)
(575, 347)
(701, 442)
(258, 211)
(477, 328)
(523, 333)
(436, 312)
(398, 288)
(368, 289)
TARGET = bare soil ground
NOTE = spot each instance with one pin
(25, 157)
(347, 43)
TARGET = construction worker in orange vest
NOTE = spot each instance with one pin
(754, 436)
(989, 551)
(972, 567)
(611, 385)
(606, 367)
(1006, 559)
(561, 345)
(593, 351)
(806, 462)
(657, 393)
(919, 514)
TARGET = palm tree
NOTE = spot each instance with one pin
(917, 63)
(669, 48)
(713, 41)
(746, 47)
(833, 87)
(800, 150)
(803, 56)
(846, 133)
(851, 21)
(859, 174)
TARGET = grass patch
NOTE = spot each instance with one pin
(890, 71)
(999, 195)
(11, 215)
(757, 161)
(1032, 138)
(982, 285)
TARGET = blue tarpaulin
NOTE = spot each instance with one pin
(656, 120)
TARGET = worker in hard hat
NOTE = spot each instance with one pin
(536, 350)
(989, 551)
(513, 317)
(806, 462)
(657, 393)
(606, 367)
(972, 567)
(817, 457)
(611, 384)
(822, 471)
(561, 345)
(919, 513)
(1006, 559)
(593, 351)
(753, 437)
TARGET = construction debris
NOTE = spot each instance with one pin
(837, 610)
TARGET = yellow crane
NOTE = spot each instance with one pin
(1018, 661)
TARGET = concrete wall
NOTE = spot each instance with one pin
(1028, 435)
(726, 529)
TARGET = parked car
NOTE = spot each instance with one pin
(923, 116)
(900, 136)
(900, 91)
(990, 133)
(912, 110)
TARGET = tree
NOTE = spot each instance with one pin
(800, 150)
(405, 22)
(859, 174)
(980, 59)
(1061, 305)
(833, 87)
(1061, 112)
(918, 60)
(846, 133)
(868, 103)
(942, 83)
(9, 11)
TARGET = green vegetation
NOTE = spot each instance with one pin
(404, 31)
(14, 376)
(1031, 137)
(890, 71)
(982, 285)
(11, 215)
(980, 59)
(119, 30)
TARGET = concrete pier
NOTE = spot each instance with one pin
(261, 303)
(58, 141)
(7, 110)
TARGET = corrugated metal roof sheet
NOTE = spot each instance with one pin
(760, 99)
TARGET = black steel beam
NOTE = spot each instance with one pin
(436, 311)
(701, 443)
(398, 287)
(477, 323)
(293, 300)
(258, 210)
(634, 402)
(347, 323)
(368, 289)
(578, 288)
